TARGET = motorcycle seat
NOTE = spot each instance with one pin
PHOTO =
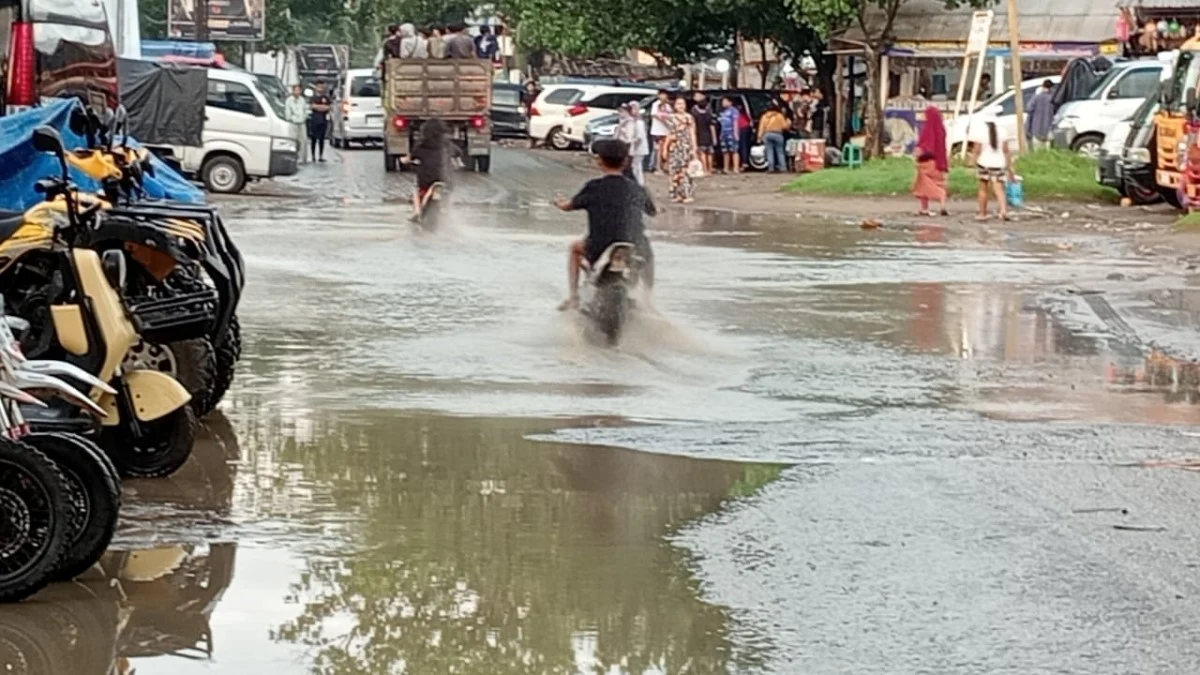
(10, 222)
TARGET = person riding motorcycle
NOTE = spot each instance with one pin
(431, 155)
(615, 205)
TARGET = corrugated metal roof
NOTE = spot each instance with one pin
(1181, 5)
(1089, 21)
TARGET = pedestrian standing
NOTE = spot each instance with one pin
(770, 134)
(390, 48)
(993, 162)
(437, 45)
(818, 117)
(318, 122)
(660, 112)
(632, 131)
(1039, 121)
(681, 151)
(745, 136)
(295, 110)
(802, 113)
(729, 140)
(933, 163)
(705, 130)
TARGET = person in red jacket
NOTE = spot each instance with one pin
(745, 135)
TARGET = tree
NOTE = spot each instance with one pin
(876, 19)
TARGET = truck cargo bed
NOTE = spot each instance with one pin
(424, 88)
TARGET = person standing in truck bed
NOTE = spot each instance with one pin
(459, 45)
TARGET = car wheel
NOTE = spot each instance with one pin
(1088, 145)
(558, 140)
(223, 174)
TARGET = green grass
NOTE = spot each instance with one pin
(1047, 174)
(1190, 221)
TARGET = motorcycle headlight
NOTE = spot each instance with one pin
(284, 145)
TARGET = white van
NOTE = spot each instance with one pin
(245, 135)
(359, 117)
(1083, 125)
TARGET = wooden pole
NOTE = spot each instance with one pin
(1014, 44)
(841, 101)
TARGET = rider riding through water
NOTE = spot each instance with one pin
(615, 205)
(431, 155)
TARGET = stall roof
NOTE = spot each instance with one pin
(1078, 21)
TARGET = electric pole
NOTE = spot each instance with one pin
(1014, 45)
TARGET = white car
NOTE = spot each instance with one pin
(359, 117)
(1001, 109)
(561, 112)
(1083, 125)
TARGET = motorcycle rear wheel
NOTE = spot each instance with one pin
(93, 489)
(33, 520)
(165, 446)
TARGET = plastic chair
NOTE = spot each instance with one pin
(852, 155)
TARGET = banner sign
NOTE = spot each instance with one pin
(217, 19)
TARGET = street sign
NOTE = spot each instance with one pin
(981, 30)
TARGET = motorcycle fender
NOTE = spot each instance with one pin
(68, 325)
(154, 394)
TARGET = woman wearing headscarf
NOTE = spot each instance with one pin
(412, 46)
(933, 163)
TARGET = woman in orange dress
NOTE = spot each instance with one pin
(933, 163)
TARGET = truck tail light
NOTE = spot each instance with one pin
(22, 70)
(577, 109)
(478, 122)
(399, 123)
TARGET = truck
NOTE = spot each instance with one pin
(456, 91)
(1177, 130)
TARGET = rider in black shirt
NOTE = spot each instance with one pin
(614, 204)
(430, 157)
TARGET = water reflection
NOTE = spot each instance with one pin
(480, 551)
(135, 605)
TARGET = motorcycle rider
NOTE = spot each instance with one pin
(430, 157)
(614, 204)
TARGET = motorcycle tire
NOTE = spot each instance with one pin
(228, 353)
(192, 362)
(94, 491)
(165, 446)
(33, 520)
(32, 642)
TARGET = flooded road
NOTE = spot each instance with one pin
(829, 450)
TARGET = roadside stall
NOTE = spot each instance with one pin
(1146, 28)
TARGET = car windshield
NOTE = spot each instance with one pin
(364, 86)
(998, 99)
(272, 91)
(1145, 111)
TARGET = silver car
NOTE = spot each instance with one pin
(358, 117)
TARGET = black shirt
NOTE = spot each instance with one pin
(460, 46)
(431, 165)
(319, 116)
(614, 205)
(704, 125)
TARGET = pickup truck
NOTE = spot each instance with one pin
(456, 91)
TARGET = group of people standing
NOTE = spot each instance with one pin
(311, 119)
(406, 41)
(990, 155)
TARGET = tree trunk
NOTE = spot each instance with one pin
(873, 104)
(764, 66)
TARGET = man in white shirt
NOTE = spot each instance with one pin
(660, 110)
(295, 110)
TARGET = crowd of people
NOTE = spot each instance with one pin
(406, 41)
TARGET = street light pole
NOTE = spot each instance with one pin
(1014, 45)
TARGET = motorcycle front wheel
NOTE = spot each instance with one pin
(94, 492)
(164, 447)
(33, 520)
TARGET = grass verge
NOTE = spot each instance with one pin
(1189, 222)
(1047, 174)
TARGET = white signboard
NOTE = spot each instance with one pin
(981, 30)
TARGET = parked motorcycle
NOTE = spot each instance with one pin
(33, 520)
(148, 427)
(178, 252)
(91, 482)
(606, 302)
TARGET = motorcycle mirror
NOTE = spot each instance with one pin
(78, 122)
(47, 139)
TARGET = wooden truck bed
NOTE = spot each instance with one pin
(425, 88)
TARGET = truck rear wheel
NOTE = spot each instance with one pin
(483, 164)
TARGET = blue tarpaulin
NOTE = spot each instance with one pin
(21, 166)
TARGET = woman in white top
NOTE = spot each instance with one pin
(993, 163)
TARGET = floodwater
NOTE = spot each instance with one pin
(826, 450)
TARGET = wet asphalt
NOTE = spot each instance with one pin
(827, 450)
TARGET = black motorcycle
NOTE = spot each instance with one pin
(606, 299)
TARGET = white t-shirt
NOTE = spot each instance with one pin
(989, 157)
(657, 126)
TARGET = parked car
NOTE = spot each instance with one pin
(1083, 125)
(605, 126)
(359, 118)
(1110, 154)
(509, 117)
(1139, 157)
(563, 107)
(1001, 109)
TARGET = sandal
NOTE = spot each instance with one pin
(944, 213)
(921, 214)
